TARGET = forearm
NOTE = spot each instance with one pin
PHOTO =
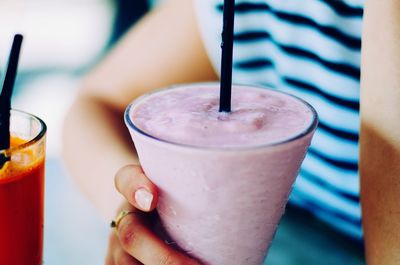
(95, 146)
(380, 132)
(162, 49)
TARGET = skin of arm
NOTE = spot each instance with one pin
(164, 48)
(380, 132)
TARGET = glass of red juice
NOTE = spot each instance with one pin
(22, 192)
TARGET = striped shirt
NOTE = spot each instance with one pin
(309, 48)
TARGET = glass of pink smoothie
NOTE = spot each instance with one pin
(223, 178)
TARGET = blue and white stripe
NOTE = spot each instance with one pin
(309, 48)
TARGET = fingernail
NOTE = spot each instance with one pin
(143, 199)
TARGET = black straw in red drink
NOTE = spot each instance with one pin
(5, 96)
(227, 54)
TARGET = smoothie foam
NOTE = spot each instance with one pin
(191, 117)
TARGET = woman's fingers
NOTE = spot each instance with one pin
(136, 239)
(116, 254)
(132, 183)
(140, 242)
(123, 258)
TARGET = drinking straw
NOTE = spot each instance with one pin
(227, 53)
(5, 96)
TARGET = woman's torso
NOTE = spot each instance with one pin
(310, 48)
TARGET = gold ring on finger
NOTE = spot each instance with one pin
(115, 223)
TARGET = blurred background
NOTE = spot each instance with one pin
(63, 40)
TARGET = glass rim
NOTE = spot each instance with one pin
(32, 141)
(312, 126)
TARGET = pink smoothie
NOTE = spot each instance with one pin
(224, 179)
(191, 117)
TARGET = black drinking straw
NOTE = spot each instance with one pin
(5, 96)
(227, 53)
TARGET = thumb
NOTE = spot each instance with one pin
(137, 189)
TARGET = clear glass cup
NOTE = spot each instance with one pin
(221, 205)
(22, 191)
